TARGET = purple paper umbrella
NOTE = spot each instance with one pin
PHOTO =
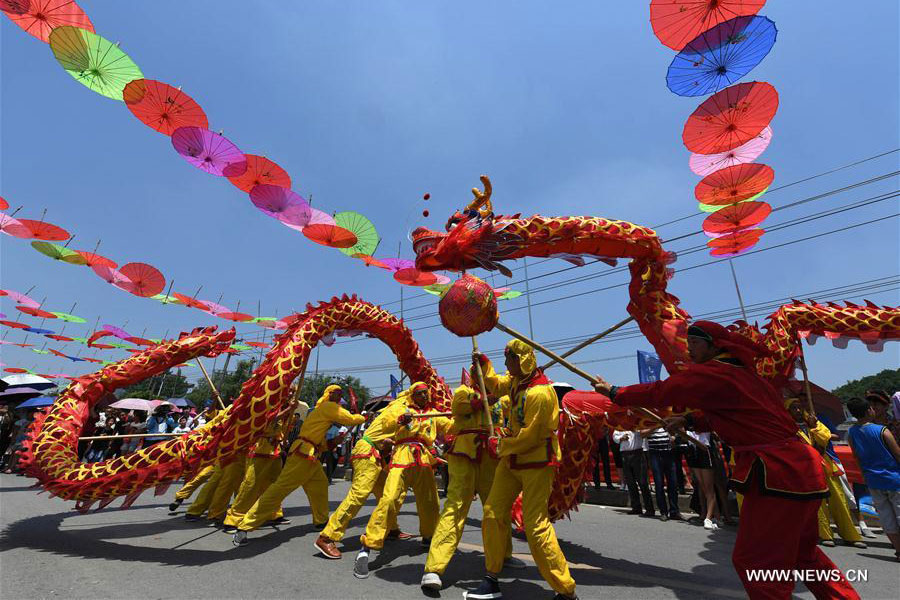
(20, 298)
(282, 204)
(704, 164)
(397, 264)
(209, 151)
(316, 217)
(117, 331)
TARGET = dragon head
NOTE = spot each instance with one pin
(473, 238)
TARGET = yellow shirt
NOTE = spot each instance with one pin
(381, 428)
(821, 435)
(267, 446)
(468, 426)
(312, 433)
(533, 419)
(413, 441)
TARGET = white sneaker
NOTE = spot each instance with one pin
(240, 538)
(709, 524)
(431, 581)
(865, 531)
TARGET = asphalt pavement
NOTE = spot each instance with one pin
(48, 550)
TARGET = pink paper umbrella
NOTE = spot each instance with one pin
(213, 308)
(704, 164)
(316, 217)
(209, 151)
(112, 276)
(20, 298)
(117, 331)
(13, 227)
(282, 204)
(398, 264)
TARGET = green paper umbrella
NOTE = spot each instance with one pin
(93, 61)
(436, 289)
(40, 351)
(240, 347)
(80, 340)
(510, 295)
(366, 237)
(122, 346)
(165, 299)
(155, 340)
(108, 362)
(57, 252)
(69, 318)
(260, 319)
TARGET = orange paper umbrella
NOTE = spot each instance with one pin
(15, 324)
(36, 312)
(162, 107)
(94, 260)
(60, 338)
(734, 184)
(45, 231)
(139, 341)
(730, 118)
(235, 316)
(189, 301)
(330, 235)
(731, 249)
(258, 344)
(416, 277)
(261, 171)
(739, 238)
(40, 17)
(736, 217)
(371, 261)
(3, 203)
(102, 346)
(146, 280)
(677, 22)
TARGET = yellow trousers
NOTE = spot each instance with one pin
(836, 504)
(203, 499)
(261, 473)
(535, 485)
(196, 481)
(229, 483)
(297, 472)
(368, 478)
(466, 478)
(421, 480)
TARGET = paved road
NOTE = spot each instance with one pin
(49, 551)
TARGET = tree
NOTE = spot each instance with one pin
(164, 385)
(887, 380)
(314, 386)
(228, 384)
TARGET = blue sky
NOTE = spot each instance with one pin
(370, 105)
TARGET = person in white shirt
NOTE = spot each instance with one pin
(634, 463)
(182, 425)
(700, 462)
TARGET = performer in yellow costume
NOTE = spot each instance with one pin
(471, 463)
(303, 467)
(528, 457)
(197, 480)
(370, 458)
(818, 435)
(411, 466)
(262, 471)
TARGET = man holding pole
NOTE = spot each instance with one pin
(471, 462)
(780, 476)
(411, 466)
(528, 457)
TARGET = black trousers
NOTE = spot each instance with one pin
(634, 463)
(665, 480)
(603, 452)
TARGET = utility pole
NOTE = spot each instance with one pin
(528, 298)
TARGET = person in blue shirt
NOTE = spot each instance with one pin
(159, 422)
(878, 455)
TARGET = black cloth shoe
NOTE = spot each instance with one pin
(635, 511)
(559, 596)
(663, 518)
(649, 514)
(229, 529)
(279, 521)
(174, 506)
(190, 517)
(488, 590)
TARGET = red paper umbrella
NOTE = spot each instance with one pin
(111, 276)
(45, 231)
(139, 341)
(162, 107)
(40, 17)
(3, 203)
(15, 324)
(235, 316)
(261, 171)
(60, 338)
(736, 217)
(741, 237)
(146, 280)
(103, 346)
(36, 312)
(57, 353)
(95, 260)
(734, 184)
(189, 301)
(677, 22)
(15, 370)
(731, 250)
(415, 277)
(730, 118)
(257, 344)
(330, 235)
(93, 360)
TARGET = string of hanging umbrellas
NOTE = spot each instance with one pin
(718, 43)
(102, 67)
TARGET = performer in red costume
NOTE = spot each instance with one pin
(780, 476)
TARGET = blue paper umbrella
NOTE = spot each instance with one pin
(720, 56)
(37, 402)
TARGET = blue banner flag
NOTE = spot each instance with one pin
(395, 387)
(649, 366)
